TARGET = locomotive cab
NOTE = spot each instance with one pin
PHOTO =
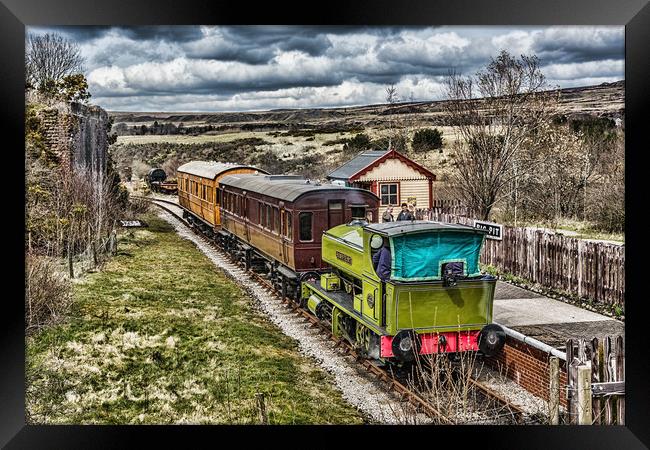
(432, 298)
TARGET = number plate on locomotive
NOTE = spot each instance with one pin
(343, 257)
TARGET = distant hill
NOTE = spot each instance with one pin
(604, 100)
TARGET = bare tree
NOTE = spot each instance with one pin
(392, 98)
(398, 129)
(495, 113)
(50, 57)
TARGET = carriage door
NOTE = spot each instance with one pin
(335, 215)
(284, 232)
(244, 213)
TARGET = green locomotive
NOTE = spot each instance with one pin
(434, 300)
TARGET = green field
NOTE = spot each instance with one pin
(161, 336)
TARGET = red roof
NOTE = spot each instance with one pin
(396, 155)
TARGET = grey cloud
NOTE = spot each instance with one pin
(256, 60)
(83, 33)
(579, 44)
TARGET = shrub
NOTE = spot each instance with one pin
(427, 139)
(395, 142)
(48, 293)
(357, 143)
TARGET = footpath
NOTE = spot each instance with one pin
(548, 320)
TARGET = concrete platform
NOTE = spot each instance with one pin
(548, 320)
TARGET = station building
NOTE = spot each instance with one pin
(395, 178)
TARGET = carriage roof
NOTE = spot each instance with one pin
(211, 169)
(284, 187)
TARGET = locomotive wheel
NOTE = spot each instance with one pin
(491, 339)
(309, 276)
(406, 344)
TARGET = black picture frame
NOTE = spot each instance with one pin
(16, 14)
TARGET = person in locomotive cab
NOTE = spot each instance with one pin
(381, 261)
(388, 215)
(405, 214)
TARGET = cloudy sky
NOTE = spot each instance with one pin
(244, 68)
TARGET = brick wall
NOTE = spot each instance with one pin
(528, 367)
(77, 134)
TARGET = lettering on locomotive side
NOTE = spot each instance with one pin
(343, 257)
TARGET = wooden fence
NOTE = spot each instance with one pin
(449, 206)
(591, 270)
(596, 381)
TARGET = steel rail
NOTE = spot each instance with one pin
(382, 375)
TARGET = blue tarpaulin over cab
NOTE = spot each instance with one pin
(420, 256)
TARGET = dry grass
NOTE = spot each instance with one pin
(48, 293)
(162, 336)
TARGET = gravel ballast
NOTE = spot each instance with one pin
(360, 391)
(357, 388)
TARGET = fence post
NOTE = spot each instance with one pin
(596, 365)
(113, 243)
(571, 375)
(620, 376)
(608, 376)
(70, 263)
(584, 395)
(554, 390)
(261, 406)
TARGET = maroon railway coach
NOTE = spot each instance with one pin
(280, 219)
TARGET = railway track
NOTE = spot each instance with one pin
(504, 409)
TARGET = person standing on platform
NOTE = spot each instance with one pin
(388, 215)
(405, 214)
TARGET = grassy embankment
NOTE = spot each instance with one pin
(162, 336)
(255, 147)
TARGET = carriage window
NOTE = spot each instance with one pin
(276, 221)
(262, 214)
(305, 219)
(389, 194)
(358, 212)
(268, 216)
(218, 196)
